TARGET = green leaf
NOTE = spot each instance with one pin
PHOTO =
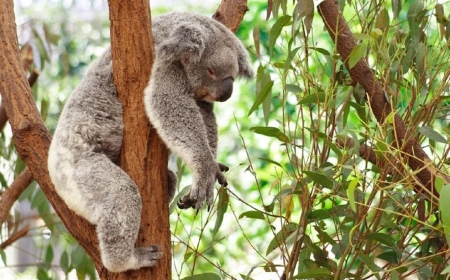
(182, 193)
(252, 215)
(271, 161)
(203, 276)
(3, 256)
(315, 273)
(396, 7)
(439, 183)
(430, 133)
(389, 256)
(321, 50)
(64, 262)
(275, 31)
(351, 193)
(263, 87)
(446, 270)
(313, 98)
(389, 241)
(358, 52)
(293, 88)
(281, 237)
(444, 210)
(382, 21)
(271, 132)
(319, 214)
(187, 255)
(319, 179)
(222, 207)
(42, 274)
(49, 255)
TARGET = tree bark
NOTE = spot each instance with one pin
(144, 156)
(404, 139)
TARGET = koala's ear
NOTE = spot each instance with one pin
(185, 43)
(245, 68)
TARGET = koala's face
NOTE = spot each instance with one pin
(213, 76)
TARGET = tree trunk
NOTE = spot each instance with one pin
(144, 156)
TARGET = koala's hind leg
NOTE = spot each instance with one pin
(115, 209)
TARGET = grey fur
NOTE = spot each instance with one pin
(86, 146)
(181, 89)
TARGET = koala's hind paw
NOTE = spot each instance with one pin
(147, 256)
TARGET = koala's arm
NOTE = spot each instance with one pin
(209, 119)
(176, 116)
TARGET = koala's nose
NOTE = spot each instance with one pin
(227, 89)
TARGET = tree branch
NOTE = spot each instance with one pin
(11, 194)
(230, 13)
(405, 141)
(15, 236)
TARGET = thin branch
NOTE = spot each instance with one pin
(15, 236)
(11, 194)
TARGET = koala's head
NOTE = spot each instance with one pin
(211, 55)
(212, 77)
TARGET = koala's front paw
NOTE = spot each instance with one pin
(203, 188)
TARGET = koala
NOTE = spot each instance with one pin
(196, 61)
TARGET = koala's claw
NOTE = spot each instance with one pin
(223, 167)
(195, 200)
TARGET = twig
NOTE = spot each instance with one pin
(11, 194)
(15, 236)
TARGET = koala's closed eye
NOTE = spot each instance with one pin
(211, 73)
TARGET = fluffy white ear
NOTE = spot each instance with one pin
(185, 44)
(245, 69)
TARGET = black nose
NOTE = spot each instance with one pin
(227, 89)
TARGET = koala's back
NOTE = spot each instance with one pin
(213, 30)
(90, 127)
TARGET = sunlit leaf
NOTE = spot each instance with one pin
(275, 31)
(222, 207)
(444, 210)
(351, 193)
(358, 52)
(271, 132)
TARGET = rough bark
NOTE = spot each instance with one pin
(413, 153)
(144, 156)
(231, 13)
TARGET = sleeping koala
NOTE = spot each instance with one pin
(196, 62)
